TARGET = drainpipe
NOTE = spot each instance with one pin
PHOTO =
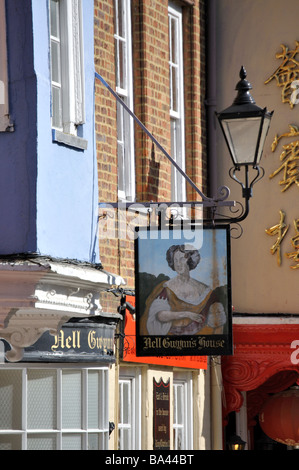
(215, 363)
(211, 95)
(216, 403)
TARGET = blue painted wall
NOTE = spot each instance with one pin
(48, 191)
(18, 149)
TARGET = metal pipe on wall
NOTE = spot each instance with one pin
(215, 363)
(216, 404)
(211, 95)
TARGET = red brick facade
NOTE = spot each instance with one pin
(151, 105)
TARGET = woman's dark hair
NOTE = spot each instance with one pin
(192, 255)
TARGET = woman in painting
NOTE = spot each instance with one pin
(182, 305)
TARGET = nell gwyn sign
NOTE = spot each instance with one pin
(74, 342)
(183, 295)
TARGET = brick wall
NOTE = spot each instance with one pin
(105, 131)
(151, 105)
(195, 88)
(151, 97)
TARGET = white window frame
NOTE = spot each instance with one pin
(5, 124)
(71, 69)
(83, 432)
(177, 118)
(132, 378)
(183, 387)
(124, 89)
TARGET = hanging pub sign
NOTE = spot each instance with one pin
(85, 341)
(183, 292)
(161, 416)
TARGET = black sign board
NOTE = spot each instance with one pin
(183, 292)
(161, 416)
(75, 342)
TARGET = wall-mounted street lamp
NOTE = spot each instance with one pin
(245, 127)
(235, 442)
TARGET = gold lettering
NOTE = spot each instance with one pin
(91, 340)
(162, 396)
(289, 166)
(160, 443)
(161, 412)
(280, 231)
(152, 343)
(99, 342)
(62, 341)
(286, 73)
(59, 340)
(204, 342)
(295, 243)
(68, 342)
(72, 341)
(162, 428)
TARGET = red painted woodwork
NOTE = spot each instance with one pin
(261, 353)
(257, 397)
(279, 417)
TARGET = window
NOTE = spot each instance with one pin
(182, 412)
(67, 77)
(53, 409)
(125, 421)
(129, 425)
(124, 88)
(178, 186)
(5, 124)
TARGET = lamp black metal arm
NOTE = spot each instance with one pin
(245, 127)
(246, 188)
(246, 194)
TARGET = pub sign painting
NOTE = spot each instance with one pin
(183, 292)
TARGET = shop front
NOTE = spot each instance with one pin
(264, 364)
(56, 348)
(161, 403)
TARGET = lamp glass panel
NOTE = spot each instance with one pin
(242, 136)
(266, 125)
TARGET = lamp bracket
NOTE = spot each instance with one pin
(246, 194)
(247, 187)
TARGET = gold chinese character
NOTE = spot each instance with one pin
(293, 132)
(290, 165)
(295, 243)
(286, 73)
(280, 230)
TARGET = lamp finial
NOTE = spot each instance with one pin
(243, 73)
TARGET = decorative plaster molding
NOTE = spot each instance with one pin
(24, 329)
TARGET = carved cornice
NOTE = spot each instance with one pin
(260, 353)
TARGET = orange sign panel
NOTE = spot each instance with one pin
(129, 355)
